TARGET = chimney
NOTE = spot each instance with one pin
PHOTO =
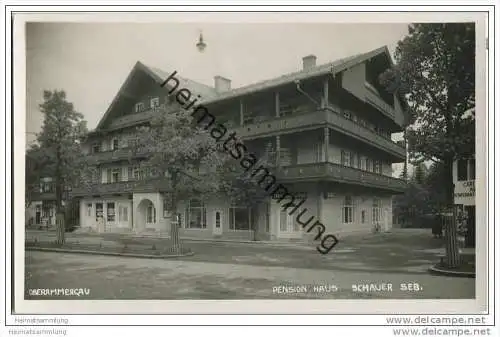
(222, 84)
(308, 62)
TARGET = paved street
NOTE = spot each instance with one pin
(247, 271)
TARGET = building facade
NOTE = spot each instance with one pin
(41, 207)
(329, 128)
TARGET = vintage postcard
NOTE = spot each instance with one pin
(250, 163)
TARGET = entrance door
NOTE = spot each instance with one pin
(217, 229)
(289, 228)
(110, 215)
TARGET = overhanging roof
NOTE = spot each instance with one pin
(209, 95)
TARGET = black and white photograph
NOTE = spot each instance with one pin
(219, 160)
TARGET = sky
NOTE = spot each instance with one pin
(90, 61)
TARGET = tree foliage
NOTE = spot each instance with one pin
(435, 70)
(58, 152)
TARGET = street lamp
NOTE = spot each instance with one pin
(201, 45)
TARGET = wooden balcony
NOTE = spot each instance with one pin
(377, 102)
(123, 187)
(341, 174)
(41, 196)
(125, 153)
(320, 118)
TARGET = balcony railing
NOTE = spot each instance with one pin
(375, 100)
(342, 174)
(302, 172)
(143, 186)
(125, 153)
(316, 119)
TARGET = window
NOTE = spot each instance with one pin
(165, 207)
(133, 173)
(139, 107)
(46, 187)
(96, 147)
(462, 170)
(98, 210)
(122, 213)
(89, 209)
(154, 102)
(377, 166)
(114, 144)
(472, 169)
(114, 175)
(151, 214)
(110, 211)
(318, 152)
(133, 142)
(239, 218)
(363, 215)
(345, 158)
(362, 163)
(196, 215)
(376, 211)
(368, 164)
(347, 210)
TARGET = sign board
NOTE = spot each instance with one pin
(465, 192)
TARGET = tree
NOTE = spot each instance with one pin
(435, 69)
(59, 143)
(420, 174)
(32, 173)
(433, 184)
(177, 151)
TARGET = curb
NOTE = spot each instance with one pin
(438, 271)
(95, 252)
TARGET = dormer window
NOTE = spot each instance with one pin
(155, 102)
(139, 107)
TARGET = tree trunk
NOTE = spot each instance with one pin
(450, 225)
(451, 242)
(174, 226)
(60, 228)
(59, 215)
